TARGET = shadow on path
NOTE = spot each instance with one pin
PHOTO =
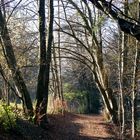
(65, 127)
(80, 127)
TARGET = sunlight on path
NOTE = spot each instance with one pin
(81, 127)
(93, 126)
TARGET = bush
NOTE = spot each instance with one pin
(7, 117)
(138, 125)
(77, 101)
(106, 115)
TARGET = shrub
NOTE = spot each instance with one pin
(138, 125)
(106, 115)
(77, 101)
(7, 117)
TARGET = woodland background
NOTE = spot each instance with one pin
(78, 56)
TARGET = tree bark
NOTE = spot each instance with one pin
(45, 59)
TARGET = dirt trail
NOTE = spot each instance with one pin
(80, 127)
(65, 127)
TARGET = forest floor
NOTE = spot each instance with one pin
(81, 127)
(67, 127)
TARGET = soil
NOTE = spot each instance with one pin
(65, 127)
(81, 127)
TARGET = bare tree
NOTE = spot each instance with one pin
(134, 77)
(8, 51)
(96, 65)
(45, 59)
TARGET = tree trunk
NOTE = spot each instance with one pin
(12, 64)
(59, 55)
(41, 85)
(134, 77)
(45, 59)
(108, 99)
(121, 80)
(134, 87)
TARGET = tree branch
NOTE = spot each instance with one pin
(127, 24)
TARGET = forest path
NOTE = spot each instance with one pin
(64, 127)
(80, 127)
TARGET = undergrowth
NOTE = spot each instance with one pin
(7, 117)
